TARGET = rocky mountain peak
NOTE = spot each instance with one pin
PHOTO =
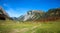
(32, 15)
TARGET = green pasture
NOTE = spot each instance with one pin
(29, 27)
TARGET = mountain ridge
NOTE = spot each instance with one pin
(50, 15)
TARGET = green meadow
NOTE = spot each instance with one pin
(29, 27)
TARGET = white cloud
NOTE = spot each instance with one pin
(16, 12)
(12, 13)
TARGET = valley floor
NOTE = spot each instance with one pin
(29, 27)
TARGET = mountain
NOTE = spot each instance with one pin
(3, 14)
(51, 15)
(21, 18)
(39, 15)
(53, 12)
(31, 15)
(14, 18)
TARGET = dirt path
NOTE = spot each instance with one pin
(20, 30)
(34, 29)
(23, 30)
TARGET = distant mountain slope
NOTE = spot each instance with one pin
(21, 18)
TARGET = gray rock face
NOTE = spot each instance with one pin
(32, 15)
(28, 17)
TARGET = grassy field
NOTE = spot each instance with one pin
(29, 27)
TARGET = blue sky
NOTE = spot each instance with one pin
(15, 8)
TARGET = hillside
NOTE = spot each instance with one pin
(54, 12)
(3, 15)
